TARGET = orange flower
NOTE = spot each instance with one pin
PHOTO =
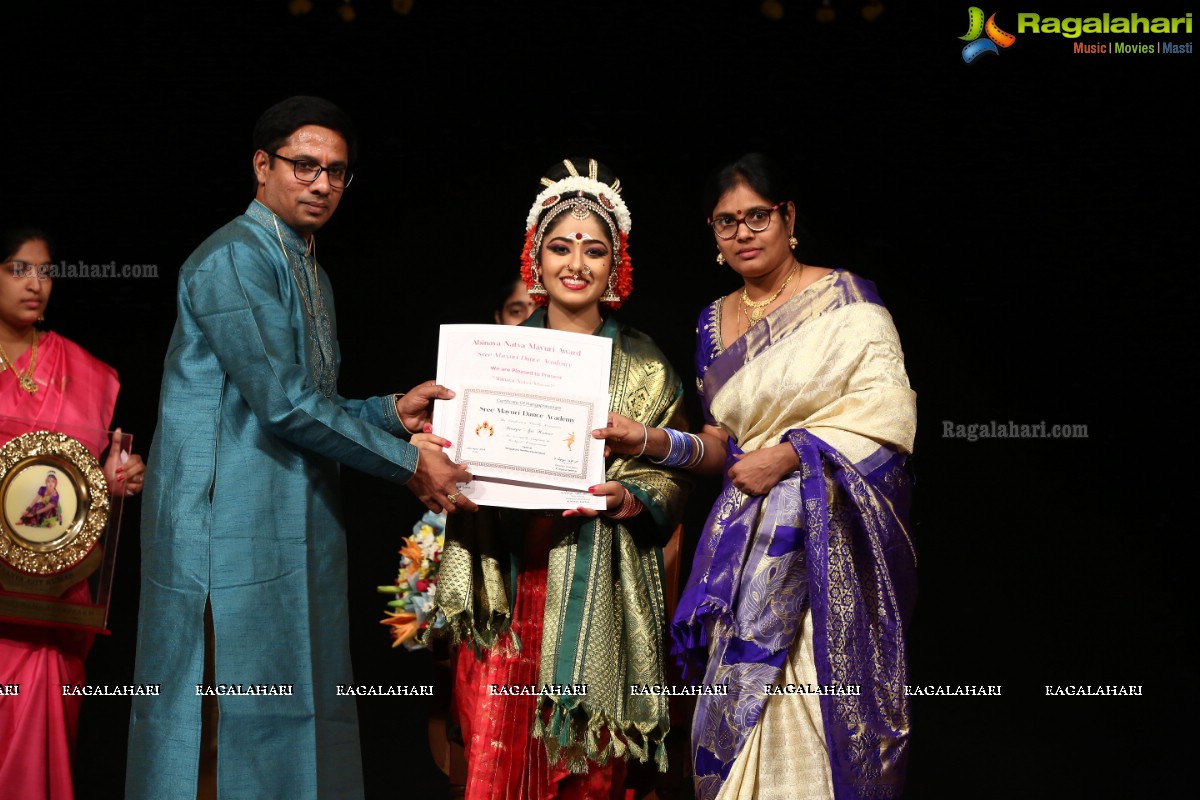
(412, 551)
(404, 626)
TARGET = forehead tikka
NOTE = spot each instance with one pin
(588, 205)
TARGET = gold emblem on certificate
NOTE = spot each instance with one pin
(54, 505)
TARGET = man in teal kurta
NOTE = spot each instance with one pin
(241, 510)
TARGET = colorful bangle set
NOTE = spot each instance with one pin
(687, 450)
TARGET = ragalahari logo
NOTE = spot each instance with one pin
(976, 27)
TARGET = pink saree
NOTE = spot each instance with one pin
(38, 725)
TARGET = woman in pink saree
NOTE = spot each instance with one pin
(47, 382)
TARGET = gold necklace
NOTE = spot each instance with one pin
(755, 308)
(26, 380)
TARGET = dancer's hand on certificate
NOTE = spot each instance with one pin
(613, 493)
(623, 436)
(425, 440)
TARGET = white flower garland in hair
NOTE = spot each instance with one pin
(575, 184)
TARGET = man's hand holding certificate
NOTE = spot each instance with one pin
(526, 402)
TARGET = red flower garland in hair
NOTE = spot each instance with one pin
(623, 285)
(539, 300)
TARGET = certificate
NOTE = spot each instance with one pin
(527, 400)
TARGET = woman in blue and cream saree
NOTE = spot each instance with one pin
(805, 573)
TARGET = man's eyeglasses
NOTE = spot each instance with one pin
(20, 270)
(309, 171)
(756, 219)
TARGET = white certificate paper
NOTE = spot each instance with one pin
(527, 400)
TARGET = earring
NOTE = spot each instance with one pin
(41, 317)
(536, 290)
(721, 259)
(793, 242)
(610, 292)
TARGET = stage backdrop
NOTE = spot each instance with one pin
(1025, 216)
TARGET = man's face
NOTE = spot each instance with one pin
(303, 206)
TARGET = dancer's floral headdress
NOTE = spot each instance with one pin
(582, 196)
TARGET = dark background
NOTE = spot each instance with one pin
(1029, 220)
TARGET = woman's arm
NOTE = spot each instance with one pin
(754, 473)
(631, 438)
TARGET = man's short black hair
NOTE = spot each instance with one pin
(281, 120)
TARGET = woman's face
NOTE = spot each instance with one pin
(25, 285)
(51, 482)
(576, 258)
(751, 253)
(516, 308)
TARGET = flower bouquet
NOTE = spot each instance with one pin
(416, 582)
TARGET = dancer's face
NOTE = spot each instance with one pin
(576, 258)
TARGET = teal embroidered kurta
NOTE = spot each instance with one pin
(242, 509)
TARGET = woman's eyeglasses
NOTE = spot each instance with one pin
(756, 219)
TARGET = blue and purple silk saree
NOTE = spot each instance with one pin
(797, 600)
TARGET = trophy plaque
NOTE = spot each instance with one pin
(58, 525)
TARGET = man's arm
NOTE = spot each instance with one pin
(236, 301)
